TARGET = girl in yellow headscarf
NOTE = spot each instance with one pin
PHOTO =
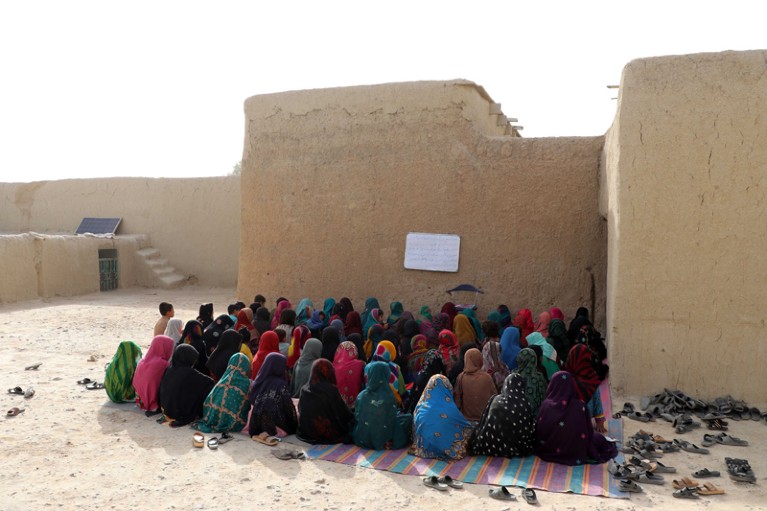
(386, 352)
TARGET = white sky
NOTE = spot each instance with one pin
(115, 88)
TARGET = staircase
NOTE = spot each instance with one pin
(158, 273)
(505, 122)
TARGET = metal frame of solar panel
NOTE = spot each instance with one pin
(93, 225)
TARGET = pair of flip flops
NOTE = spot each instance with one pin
(442, 483)
(214, 442)
(90, 384)
(266, 439)
(21, 392)
(740, 470)
(503, 493)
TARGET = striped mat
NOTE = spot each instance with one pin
(528, 472)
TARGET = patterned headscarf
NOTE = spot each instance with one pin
(580, 363)
(535, 390)
(226, 407)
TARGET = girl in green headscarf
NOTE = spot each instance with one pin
(535, 389)
(226, 407)
(118, 380)
(396, 312)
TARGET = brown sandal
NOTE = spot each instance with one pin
(710, 489)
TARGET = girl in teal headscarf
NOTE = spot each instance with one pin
(425, 314)
(549, 359)
(304, 311)
(374, 318)
(396, 312)
(370, 304)
(118, 380)
(327, 309)
(226, 407)
(377, 424)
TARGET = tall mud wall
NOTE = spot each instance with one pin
(194, 222)
(684, 195)
(333, 181)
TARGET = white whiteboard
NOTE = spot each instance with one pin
(432, 252)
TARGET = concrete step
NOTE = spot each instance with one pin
(163, 270)
(156, 263)
(143, 241)
(148, 253)
(173, 281)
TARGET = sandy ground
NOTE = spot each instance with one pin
(73, 449)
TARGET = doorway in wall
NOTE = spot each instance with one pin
(108, 269)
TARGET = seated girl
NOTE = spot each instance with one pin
(183, 389)
(272, 405)
(149, 372)
(549, 360)
(473, 387)
(377, 425)
(432, 364)
(323, 417)
(193, 335)
(507, 426)
(535, 382)
(386, 352)
(440, 431)
(563, 431)
(229, 344)
(269, 343)
(118, 379)
(580, 363)
(302, 371)
(350, 372)
(226, 407)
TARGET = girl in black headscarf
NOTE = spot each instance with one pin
(212, 333)
(330, 341)
(323, 417)
(192, 335)
(558, 339)
(270, 396)
(230, 343)
(580, 320)
(205, 316)
(183, 389)
(432, 364)
(262, 322)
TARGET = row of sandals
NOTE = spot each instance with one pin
(644, 449)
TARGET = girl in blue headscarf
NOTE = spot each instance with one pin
(510, 347)
(440, 429)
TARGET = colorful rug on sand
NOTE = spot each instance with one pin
(529, 472)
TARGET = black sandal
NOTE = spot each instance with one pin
(529, 495)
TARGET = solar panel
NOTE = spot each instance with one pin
(98, 225)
